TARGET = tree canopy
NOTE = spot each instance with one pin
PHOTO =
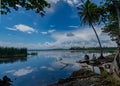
(89, 13)
(110, 18)
(36, 5)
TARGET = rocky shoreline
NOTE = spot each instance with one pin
(86, 77)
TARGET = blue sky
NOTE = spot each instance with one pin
(59, 28)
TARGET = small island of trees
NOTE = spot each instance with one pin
(12, 52)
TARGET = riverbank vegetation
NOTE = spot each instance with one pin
(95, 49)
(12, 52)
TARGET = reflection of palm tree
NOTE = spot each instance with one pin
(59, 59)
(89, 15)
(65, 65)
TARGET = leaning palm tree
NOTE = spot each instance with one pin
(89, 15)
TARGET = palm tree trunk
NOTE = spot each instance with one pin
(101, 51)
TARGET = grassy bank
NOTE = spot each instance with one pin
(12, 52)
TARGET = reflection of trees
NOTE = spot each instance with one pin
(12, 60)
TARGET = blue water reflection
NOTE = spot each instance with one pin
(45, 68)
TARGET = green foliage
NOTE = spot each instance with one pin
(12, 52)
(111, 29)
(110, 18)
(36, 5)
(113, 81)
(109, 11)
(108, 78)
(89, 13)
(104, 73)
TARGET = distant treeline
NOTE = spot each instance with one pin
(13, 52)
(93, 48)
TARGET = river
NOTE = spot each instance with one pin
(45, 68)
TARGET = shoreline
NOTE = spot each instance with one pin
(87, 77)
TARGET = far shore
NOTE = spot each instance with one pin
(10, 56)
(75, 50)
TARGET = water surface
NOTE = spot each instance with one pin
(45, 68)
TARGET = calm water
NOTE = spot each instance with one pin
(45, 68)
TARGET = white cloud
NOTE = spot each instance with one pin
(69, 2)
(48, 68)
(44, 33)
(50, 10)
(10, 71)
(81, 37)
(11, 29)
(21, 72)
(73, 26)
(53, 1)
(18, 6)
(51, 31)
(72, 2)
(43, 67)
(23, 28)
(53, 6)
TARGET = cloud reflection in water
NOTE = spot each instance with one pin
(48, 68)
(21, 72)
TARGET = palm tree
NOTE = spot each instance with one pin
(89, 14)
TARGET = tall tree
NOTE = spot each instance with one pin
(89, 14)
(116, 3)
(36, 5)
(112, 27)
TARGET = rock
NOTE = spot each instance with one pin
(6, 81)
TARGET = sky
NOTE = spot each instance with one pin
(59, 28)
